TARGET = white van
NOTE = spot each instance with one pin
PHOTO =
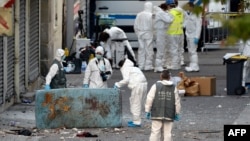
(124, 13)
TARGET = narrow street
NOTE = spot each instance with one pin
(202, 117)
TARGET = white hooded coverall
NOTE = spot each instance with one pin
(54, 67)
(136, 81)
(245, 50)
(143, 28)
(175, 40)
(115, 49)
(161, 22)
(92, 73)
(161, 129)
(193, 30)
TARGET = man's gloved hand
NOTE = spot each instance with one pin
(148, 115)
(177, 117)
(85, 86)
(196, 41)
(47, 87)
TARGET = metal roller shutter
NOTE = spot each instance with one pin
(10, 67)
(1, 71)
(22, 46)
(34, 41)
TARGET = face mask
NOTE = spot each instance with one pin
(98, 56)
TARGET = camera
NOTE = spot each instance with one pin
(104, 76)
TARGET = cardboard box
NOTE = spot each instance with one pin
(207, 85)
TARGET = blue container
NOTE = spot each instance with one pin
(78, 108)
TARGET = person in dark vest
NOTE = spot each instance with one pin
(56, 76)
(163, 107)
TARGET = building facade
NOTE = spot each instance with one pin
(26, 55)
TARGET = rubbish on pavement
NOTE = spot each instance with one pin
(207, 85)
(219, 106)
(85, 134)
(27, 101)
(24, 132)
(191, 87)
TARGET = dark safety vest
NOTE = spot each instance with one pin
(163, 107)
(59, 80)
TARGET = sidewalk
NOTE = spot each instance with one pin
(202, 117)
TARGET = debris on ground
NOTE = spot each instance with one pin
(85, 134)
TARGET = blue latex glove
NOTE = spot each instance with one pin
(65, 68)
(196, 41)
(177, 117)
(85, 85)
(148, 115)
(116, 87)
(47, 87)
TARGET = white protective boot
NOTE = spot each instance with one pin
(193, 66)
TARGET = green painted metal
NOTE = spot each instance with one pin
(78, 108)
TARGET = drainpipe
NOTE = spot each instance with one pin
(5, 71)
(69, 23)
(16, 65)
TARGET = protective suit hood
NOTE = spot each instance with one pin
(59, 54)
(99, 49)
(127, 63)
(166, 82)
(156, 9)
(148, 7)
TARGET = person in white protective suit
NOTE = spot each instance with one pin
(143, 28)
(193, 30)
(115, 42)
(161, 22)
(245, 50)
(56, 76)
(181, 43)
(175, 37)
(136, 81)
(98, 71)
(162, 107)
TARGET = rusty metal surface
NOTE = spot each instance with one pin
(78, 107)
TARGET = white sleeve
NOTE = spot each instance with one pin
(150, 98)
(107, 49)
(136, 24)
(125, 80)
(52, 72)
(88, 72)
(198, 26)
(177, 102)
(166, 17)
(108, 68)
